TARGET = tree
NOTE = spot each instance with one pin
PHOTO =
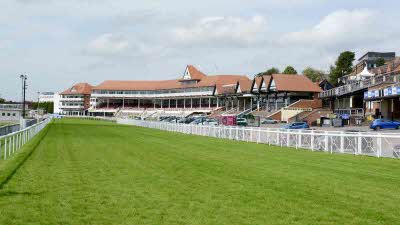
(48, 107)
(289, 70)
(2, 100)
(270, 71)
(314, 74)
(380, 62)
(343, 66)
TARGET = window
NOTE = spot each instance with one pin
(8, 114)
(13, 114)
(3, 114)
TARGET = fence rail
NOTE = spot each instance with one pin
(11, 143)
(371, 144)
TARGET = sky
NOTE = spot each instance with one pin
(59, 43)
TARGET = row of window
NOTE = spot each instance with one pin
(72, 104)
(8, 114)
(170, 91)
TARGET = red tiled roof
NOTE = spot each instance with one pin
(295, 83)
(245, 85)
(195, 73)
(80, 88)
(257, 82)
(203, 81)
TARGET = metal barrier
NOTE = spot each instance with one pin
(357, 143)
(11, 143)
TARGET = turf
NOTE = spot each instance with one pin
(87, 172)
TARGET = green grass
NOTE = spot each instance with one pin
(87, 172)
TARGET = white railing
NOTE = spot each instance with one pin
(112, 119)
(371, 144)
(11, 143)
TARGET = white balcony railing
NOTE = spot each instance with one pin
(166, 95)
(72, 99)
(71, 107)
(359, 85)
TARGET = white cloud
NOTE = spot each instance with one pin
(237, 30)
(108, 44)
(342, 27)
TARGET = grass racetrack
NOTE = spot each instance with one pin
(87, 172)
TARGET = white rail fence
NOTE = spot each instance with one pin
(112, 119)
(357, 143)
(11, 143)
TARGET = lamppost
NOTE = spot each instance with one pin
(37, 108)
(24, 86)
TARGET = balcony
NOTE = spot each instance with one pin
(71, 107)
(72, 99)
(359, 85)
(165, 95)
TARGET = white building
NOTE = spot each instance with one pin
(10, 112)
(46, 97)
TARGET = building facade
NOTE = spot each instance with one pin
(75, 100)
(193, 92)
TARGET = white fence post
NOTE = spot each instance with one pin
(379, 143)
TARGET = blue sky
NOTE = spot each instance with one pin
(59, 43)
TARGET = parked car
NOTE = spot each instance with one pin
(212, 122)
(384, 124)
(197, 121)
(269, 121)
(242, 122)
(297, 125)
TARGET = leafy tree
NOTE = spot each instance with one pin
(2, 100)
(380, 61)
(48, 107)
(314, 74)
(289, 70)
(270, 71)
(343, 66)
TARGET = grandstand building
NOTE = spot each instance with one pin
(193, 92)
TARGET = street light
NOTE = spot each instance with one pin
(23, 79)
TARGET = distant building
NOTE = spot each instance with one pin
(46, 97)
(10, 112)
(75, 100)
(370, 58)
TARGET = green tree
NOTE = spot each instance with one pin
(289, 70)
(2, 100)
(343, 66)
(314, 74)
(380, 61)
(270, 71)
(48, 107)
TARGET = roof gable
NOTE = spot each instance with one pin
(79, 89)
(191, 73)
(293, 83)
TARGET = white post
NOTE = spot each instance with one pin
(288, 138)
(359, 150)
(312, 140)
(341, 142)
(326, 141)
(379, 143)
